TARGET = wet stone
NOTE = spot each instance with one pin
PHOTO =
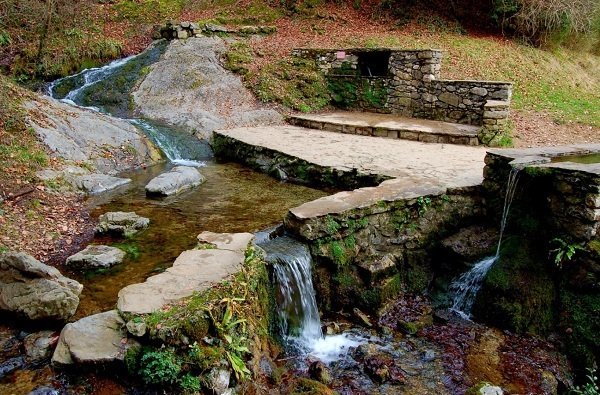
(96, 256)
(122, 223)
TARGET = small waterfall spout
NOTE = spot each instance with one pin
(298, 312)
(465, 288)
(300, 323)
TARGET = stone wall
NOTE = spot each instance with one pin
(175, 30)
(411, 87)
(372, 244)
(553, 246)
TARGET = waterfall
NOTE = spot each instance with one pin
(298, 312)
(465, 288)
(87, 78)
(299, 319)
(178, 146)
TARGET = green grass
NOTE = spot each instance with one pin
(564, 83)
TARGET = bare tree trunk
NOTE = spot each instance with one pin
(45, 29)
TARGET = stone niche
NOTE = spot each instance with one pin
(407, 83)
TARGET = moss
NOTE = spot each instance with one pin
(580, 319)
(304, 386)
(418, 278)
(338, 253)
(238, 57)
(295, 83)
(519, 292)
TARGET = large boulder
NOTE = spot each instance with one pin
(78, 134)
(35, 290)
(97, 339)
(121, 223)
(95, 257)
(189, 87)
(178, 179)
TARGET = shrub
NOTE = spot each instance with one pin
(160, 367)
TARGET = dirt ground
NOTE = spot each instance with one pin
(535, 129)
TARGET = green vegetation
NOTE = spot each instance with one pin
(580, 318)
(504, 300)
(295, 83)
(234, 315)
(130, 248)
(238, 57)
(590, 387)
(159, 367)
(564, 251)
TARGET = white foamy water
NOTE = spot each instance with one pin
(466, 287)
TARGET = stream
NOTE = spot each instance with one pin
(445, 357)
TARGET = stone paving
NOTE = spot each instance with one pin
(392, 126)
(443, 165)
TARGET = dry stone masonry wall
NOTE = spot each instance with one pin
(407, 82)
(174, 30)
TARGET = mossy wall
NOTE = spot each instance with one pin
(547, 277)
(366, 256)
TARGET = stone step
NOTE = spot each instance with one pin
(390, 126)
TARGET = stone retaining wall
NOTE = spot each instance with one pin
(553, 246)
(174, 30)
(408, 83)
(372, 244)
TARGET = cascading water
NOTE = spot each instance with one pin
(465, 288)
(87, 78)
(178, 146)
(300, 323)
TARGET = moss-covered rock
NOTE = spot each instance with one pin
(221, 327)
(519, 292)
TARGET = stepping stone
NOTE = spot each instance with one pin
(177, 180)
(97, 339)
(122, 223)
(96, 256)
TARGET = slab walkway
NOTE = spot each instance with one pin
(444, 165)
(389, 125)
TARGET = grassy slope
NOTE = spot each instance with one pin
(565, 84)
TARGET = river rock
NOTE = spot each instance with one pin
(319, 371)
(44, 391)
(485, 389)
(199, 100)
(218, 380)
(98, 183)
(178, 179)
(122, 223)
(78, 134)
(35, 290)
(39, 345)
(97, 339)
(96, 256)
(10, 365)
(192, 271)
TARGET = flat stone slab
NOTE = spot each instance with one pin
(444, 165)
(192, 271)
(388, 125)
(96, 256)
(97, 339)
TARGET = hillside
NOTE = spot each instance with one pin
(556, 91)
